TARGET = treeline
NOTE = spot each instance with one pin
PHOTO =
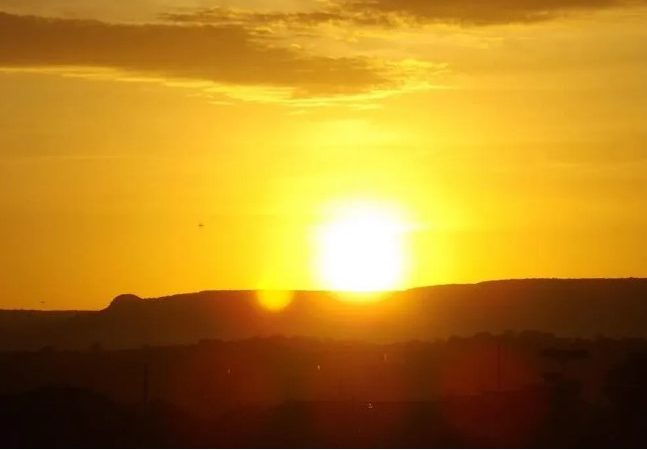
(511, 389)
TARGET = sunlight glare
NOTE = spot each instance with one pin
(274, 300)
(361, 250)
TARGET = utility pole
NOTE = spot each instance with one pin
(146, 385)
(498, 366)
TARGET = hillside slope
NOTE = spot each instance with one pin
(614, 307)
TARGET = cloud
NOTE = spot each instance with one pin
(332, 14)
(223, 54)
(480, 12)
(398, 12)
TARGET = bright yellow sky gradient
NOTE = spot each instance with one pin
(516, 147)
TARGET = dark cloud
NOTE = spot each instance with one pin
(227, 53)
(336, 14)
(481, 12)
(394, 12)
(226, 16)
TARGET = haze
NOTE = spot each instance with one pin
(173, 146)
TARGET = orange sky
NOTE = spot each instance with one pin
(512, 138)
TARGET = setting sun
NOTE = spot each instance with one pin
(362, 250)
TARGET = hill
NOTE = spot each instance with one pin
(580, 307)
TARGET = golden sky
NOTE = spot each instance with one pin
(510, 134)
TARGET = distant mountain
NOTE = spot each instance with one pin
(579, 307)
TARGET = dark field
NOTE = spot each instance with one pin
(512, 389)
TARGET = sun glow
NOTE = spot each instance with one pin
(274, 300)
(362, 250)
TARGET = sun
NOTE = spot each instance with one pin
(361, 250)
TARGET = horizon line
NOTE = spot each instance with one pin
(324, 291)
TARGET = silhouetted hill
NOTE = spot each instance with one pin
(585, 307)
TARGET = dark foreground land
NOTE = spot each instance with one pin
(510, 389)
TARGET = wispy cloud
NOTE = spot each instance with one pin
(398, 12)
(227, 54)
(472, 12)
(255, 54)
